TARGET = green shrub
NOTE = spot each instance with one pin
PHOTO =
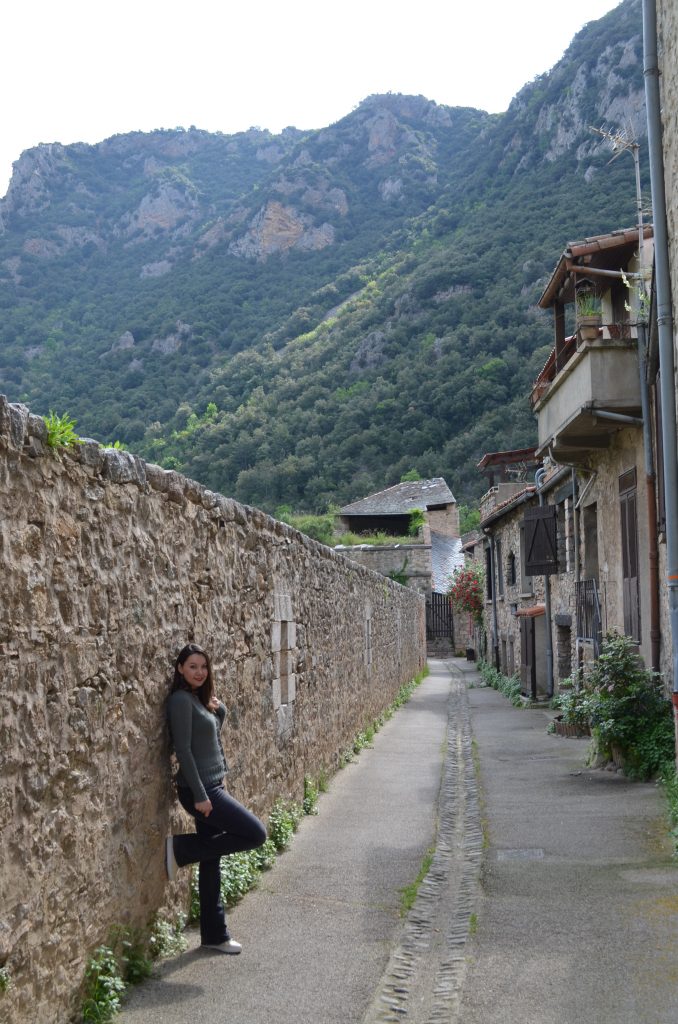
(283, 822)
(508, 685)
(310, 802)
(629, 711)
(167, 939)
(103, 987)
(61, 431)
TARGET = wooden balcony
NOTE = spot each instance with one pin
(583, 388)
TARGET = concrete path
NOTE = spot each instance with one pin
(552, 897)
(578, 913)
(318, 932)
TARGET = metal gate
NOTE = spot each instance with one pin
(439, 618)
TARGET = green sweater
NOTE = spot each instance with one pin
(195, 737)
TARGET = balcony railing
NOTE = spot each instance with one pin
(559, 358)
(589, 622)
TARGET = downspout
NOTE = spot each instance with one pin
(578, 503)
(650, 490)
(575, 526)
(495, 617)
(539, 479)
(651, 497)
(664, 326)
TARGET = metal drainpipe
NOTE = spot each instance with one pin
(495, 618)
(664, 325)
(575, 526)
(539, 477)
(651, 498)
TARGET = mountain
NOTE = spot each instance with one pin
(302, 318)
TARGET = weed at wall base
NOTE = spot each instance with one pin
(508, 685)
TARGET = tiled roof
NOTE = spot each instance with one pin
(402, 498)
(505, 506)
(446, 556)
(507, 458)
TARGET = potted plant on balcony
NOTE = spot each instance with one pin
(589, 315)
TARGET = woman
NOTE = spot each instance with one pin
(223, 825)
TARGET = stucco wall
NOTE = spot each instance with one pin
(108, 566)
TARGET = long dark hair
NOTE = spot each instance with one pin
(206, 691)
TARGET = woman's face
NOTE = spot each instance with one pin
(194, 670)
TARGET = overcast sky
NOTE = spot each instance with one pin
(82, 70)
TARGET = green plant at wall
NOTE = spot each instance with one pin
(5, 980)
(283, 822)
(575, 707)
(103, 987)
(310, 801)
(629, 711)
(61, 431)
(167, 937)
(400, 575)
(417, 520)
(669, 784)
(508, 685)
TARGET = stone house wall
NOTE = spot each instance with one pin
(624, 453)
(444, 521)
(667, 31)
(108, 566)
(412, 559)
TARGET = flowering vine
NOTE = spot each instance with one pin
(467, 590)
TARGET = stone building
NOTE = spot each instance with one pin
(426, 564)
(597, 532)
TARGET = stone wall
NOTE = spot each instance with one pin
(412, 559)
(109, 566)
(667, 31)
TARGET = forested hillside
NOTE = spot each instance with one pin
(302, 318)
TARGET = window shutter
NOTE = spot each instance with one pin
(541, 540)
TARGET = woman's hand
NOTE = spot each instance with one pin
(205, 807)
(213, 704)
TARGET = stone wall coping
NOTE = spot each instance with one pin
(26, 433)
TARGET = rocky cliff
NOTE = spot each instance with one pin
(392, 247)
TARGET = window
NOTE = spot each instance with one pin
(488, 573)
(566, 534)
(590, 517)
(500, 568)
(541, 540)
(511, 569)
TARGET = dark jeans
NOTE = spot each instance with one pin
(229, 827)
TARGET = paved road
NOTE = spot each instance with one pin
(319, 931)
(551, 898)
(578, 911)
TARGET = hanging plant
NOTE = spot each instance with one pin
(467, 590)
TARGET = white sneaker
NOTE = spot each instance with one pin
(171, 866)
(229, 946)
